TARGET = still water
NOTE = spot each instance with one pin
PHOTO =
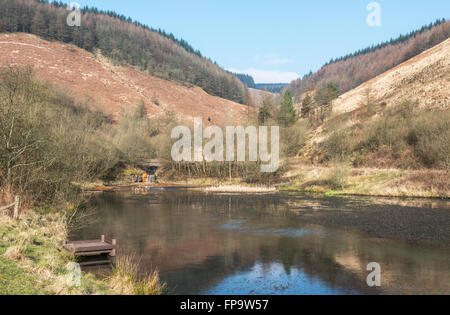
(257, 244)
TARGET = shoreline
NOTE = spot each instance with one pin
(421, 184)
(30, 248)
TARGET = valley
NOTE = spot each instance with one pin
(211, 183)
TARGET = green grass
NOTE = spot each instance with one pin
(15, 280)
(33, 262)
(39, 263)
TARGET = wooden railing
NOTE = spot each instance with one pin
(15, 204)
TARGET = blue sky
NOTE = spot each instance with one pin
(277, 40)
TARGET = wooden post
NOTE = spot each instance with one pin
(16, 208)
(103, 238)
(113, 252)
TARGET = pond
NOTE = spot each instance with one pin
(204, 243)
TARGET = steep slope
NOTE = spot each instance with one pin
(257, 96)
(398, 118)
(350, 71)
(111, 87)
(122, 40)
(424, 78)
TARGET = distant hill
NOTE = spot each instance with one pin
(271, 87)
(122, 40)
(258, 96)
(352, 70)
(250, 83)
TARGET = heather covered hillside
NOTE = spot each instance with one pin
(123, 41)
(352, 70)
(399, 119)
(112, 88)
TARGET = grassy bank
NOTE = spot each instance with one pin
(32, 261)
(343, 180)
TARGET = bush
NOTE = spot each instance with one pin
(423, 136)
(294, 138)
(337, 146)
(337, 176)
(133, 135)
(429, 135)
(46, 143)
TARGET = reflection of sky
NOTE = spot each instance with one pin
(233, 225)
(272, 279)
(287, 232)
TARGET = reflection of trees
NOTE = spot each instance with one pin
(179, 234)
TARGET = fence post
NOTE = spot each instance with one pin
(16, 208)
(113, 252)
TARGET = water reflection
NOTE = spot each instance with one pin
(244, 244)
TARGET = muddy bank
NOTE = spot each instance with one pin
(429, 227)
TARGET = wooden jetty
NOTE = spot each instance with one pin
(100, 248)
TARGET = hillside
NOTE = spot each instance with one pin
(124, 41)
(424, 78)
(111, 87)
(257, 96)
(398, 119)
(272, 87)
(350, 71)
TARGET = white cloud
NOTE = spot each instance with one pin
(269, 76)
(272, 59)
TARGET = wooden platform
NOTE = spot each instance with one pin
(102, 247)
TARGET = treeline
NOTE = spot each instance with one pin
(293, 137)
(352, 70)
(123, 41)
(246, 79)
(271, 87)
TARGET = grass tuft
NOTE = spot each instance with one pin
(126, 280)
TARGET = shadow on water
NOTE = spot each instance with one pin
(258, 244)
